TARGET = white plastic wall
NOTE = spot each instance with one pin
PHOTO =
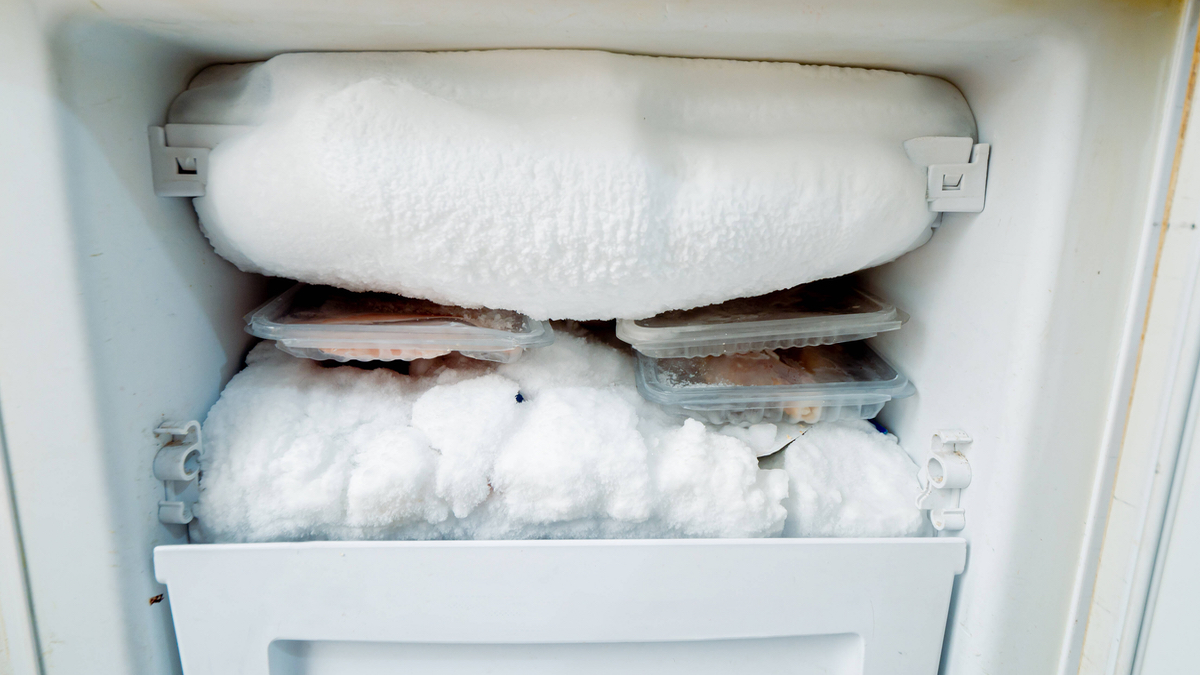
(116, 314)
(1161, 410)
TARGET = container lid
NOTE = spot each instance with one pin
(323, 322)
(823, 312)
(849, 373)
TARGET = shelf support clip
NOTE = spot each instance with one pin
(957, 171)
(949, 473)
(179, 156)
(177, 465)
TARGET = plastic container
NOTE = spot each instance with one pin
(324, 323)
(820, 313)
(798, 385)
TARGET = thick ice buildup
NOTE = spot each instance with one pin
(765, 438)
(465, 422)
(295, 450)
(564, 184)
(849, 480)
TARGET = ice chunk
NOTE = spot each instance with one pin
(287, 437)
(565, 184)
(849, 480)
(393, 482)
(711, 487)
(764, 438)
(464, 422)
(577, 454)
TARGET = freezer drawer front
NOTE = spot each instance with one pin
(697, 606)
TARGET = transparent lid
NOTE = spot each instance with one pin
(849, 373)
(822, 312)
(323, 322)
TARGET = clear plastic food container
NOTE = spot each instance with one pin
(325, 323)
(797, 385)
(820, 313)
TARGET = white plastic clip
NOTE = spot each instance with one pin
(949, 473)
(179, 156)
(958, 169)
(177, 465)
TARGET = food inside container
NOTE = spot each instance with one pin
(797, 385)
(325, 323)
(820, 313)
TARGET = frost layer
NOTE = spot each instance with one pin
(566, 184)
(295, 450)
(849, 480)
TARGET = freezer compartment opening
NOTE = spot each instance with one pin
(1017, 310)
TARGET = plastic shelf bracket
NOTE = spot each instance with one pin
(177, 465)
(958, 171)
(179, 156)
(949, 473)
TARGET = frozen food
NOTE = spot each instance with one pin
(326, 323)
(799, 385)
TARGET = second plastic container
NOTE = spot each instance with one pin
(808, 384)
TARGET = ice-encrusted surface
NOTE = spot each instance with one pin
(568, 184)
(849, 480)
(295, 450)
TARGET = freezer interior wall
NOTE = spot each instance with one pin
(117, 314)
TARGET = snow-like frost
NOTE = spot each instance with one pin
(564, 184)
(296, 450)
(849, 480)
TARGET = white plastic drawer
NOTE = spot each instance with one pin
(700, 606)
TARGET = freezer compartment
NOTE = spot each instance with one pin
(119, 315)
(788, 605)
